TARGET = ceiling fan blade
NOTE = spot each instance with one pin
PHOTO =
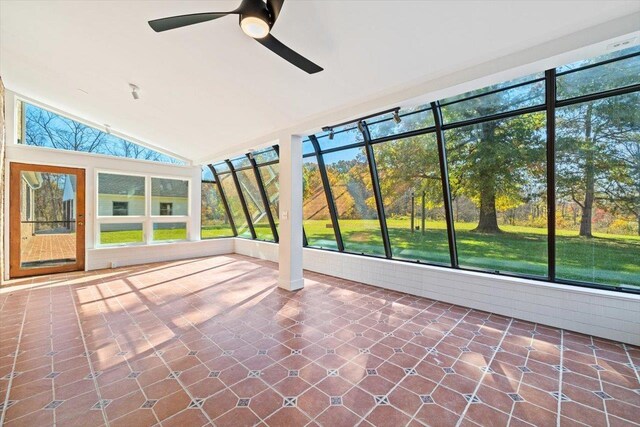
(275, 6)
(172, 22)
(275, 46)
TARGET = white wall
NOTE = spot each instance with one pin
(91, 163)
(132, 255)
(595, 312)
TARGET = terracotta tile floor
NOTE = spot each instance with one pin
(214, 342)
(47, 247)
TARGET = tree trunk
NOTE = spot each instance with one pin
(589, 194)
(488, 222)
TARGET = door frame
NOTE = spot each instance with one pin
(15, 235)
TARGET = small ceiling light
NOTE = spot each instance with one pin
(396, 117)
(361, 127)
(254, 27)
(135, 91)
(331, 134)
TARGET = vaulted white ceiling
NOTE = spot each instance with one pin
(208, 87)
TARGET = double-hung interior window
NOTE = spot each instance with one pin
(139, 209)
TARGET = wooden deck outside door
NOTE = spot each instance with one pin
(46, 219)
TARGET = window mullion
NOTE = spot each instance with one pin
(327, 191)
(225, 204)
(264, 197)
(243, 202)
(446, 190)
(550, 95)
(375, 183)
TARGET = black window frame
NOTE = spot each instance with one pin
(548, 107)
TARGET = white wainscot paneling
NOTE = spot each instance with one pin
(595, 312)
(118, 256)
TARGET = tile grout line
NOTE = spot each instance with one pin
(484, 373)
(526, 360)
(633, 367)
(445, 335)
(385, 361)
(457, 359)
(558, 411)
(53, 386)
(86, 349)
(160, 356)
(93, 291)
(421, 311)
(604, 401)
(15, 360)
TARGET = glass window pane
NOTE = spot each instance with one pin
(409, 172)
(265, 156)
(249, 185)
(221, 167)
(315, 212)
(481, 103)
(270, 179)
(497, 175)
(307, 147)
(598, 191)
(47, 234)
(341, 137)
(44, 128)
(167, 231)
(235, 206)
(120, 195)
(350, 182)
(601, 77)
(411, 119)
(169, 196)
(241, 162)
(213, 219)
(206, 175)
(120, 234)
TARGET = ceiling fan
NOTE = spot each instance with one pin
(257, 17)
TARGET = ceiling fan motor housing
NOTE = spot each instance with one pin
(256, 9)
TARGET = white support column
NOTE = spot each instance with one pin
(290, 230)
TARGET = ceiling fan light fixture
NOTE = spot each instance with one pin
(254, 27)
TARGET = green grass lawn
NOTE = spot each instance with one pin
(135, 236)
(607, 258)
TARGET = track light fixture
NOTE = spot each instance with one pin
(396, 117)
(135, 91)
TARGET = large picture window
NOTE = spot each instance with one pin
(43, 128)
(214, 221)
(537, 177)
(411, 188)
(350, 182)
(497, 175)
(598, 191)
(315, 212)
(129, 214)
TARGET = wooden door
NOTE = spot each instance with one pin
(46, 219)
